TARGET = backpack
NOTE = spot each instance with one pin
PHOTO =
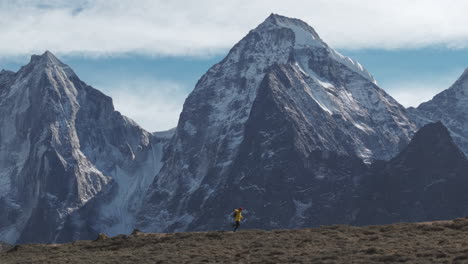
(234, 214)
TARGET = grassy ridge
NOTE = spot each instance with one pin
(431, 242)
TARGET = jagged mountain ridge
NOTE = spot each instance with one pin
(451, 108)
(425, 182)
(332, 103)
(63, 145)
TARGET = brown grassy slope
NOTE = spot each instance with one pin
(436, 242)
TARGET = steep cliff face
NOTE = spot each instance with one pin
(451, 108)
(62, 144)
(323, 101)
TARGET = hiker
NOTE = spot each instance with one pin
(237, 215)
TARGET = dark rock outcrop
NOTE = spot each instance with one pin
(451, 108)
(427, 181)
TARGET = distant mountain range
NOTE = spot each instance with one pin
(450, 107)
(284, 126)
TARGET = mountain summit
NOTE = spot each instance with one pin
(47, 57)
(264, 122)
(62, 145)
(47, 62)
(304, 36)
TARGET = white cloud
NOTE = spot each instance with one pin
(202, 27)
(414, 92)
(155, 105)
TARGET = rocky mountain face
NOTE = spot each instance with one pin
(427, 181)
(451, 108)
(62, 145)
(279, 121)
(284, 126)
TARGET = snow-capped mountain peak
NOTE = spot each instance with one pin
(48, 62)
(62, 146)
(304, 34)
(280, 92)
(305, 37)
(46, 57)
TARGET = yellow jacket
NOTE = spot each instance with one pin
(238, 216)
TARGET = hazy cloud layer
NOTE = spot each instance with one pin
(160, 27)
(153, 104)
(414, 92)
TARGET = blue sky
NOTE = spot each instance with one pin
(148, 57)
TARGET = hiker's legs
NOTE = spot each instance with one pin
(236, 225)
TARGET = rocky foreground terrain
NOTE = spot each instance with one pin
(430, 242)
